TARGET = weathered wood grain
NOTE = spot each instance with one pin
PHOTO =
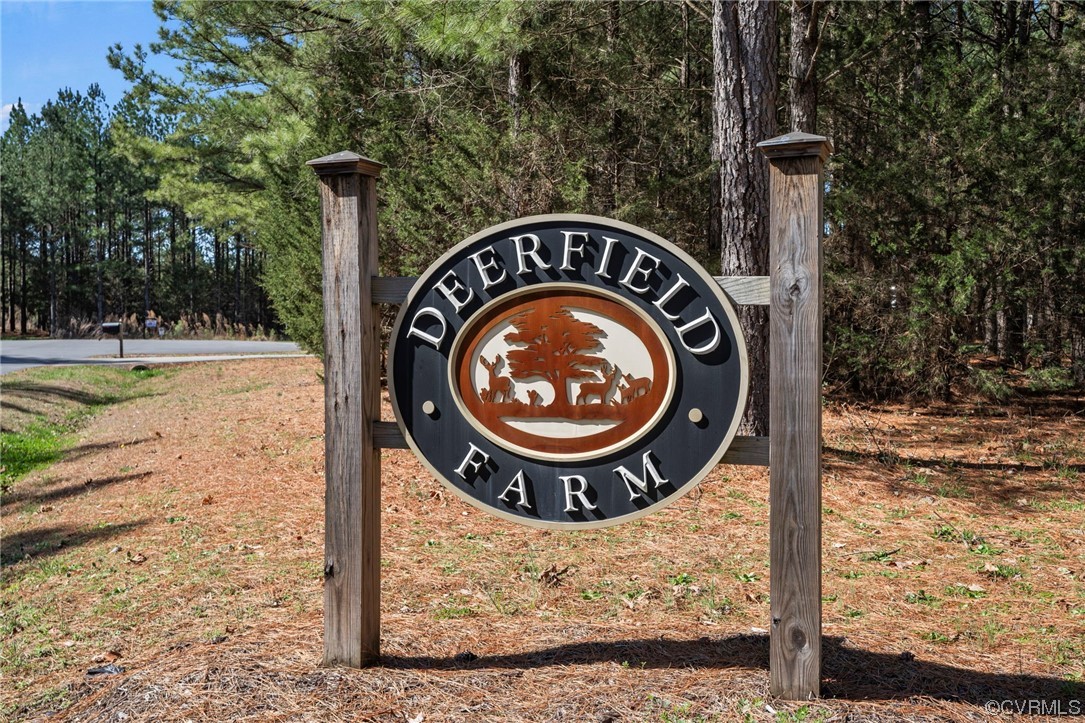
(795, 327)
(392, 289)
(746, 290)
(743, 290)
(387, 435)
(351, 402)
(748, 451)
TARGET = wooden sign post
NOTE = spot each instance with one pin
(354, 433)
(795, 229)
(352, 537)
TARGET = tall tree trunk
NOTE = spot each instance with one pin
(614, 132)
(148, 258)
(1077, 353)
(515, 91)
(51, 266)
(1055, 21)
(990, 321)
(173, 242)
(22, 284)
(921, 10)
(99, 259)
(802, 83)
(7, 293)
(218, 276)
(194, 251)
(1010, 319)
(239, 314)
(99, 286)
(744, 54)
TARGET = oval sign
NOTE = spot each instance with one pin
(567, 371)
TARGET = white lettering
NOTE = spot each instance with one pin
(483, 268)
(636, 269)
(469, 461)
(567, 256)
(519, 486)
(650, 473)
(415, 331)
(709, 345)
(661, 301)
(523, 253)
(570, 493)
(605, 260)
(449, 292)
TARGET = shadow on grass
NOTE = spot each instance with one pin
(1023, 404)
(10, 406)
(847, 672)
(40, 543)
(28, 391)
(882, 458)
(84, 450)
(21, 497)
(45, 392)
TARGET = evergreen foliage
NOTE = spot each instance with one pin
(88, 236)
(956, 196)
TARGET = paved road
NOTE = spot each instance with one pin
(15, 355)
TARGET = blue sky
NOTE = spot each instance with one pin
(46, 45)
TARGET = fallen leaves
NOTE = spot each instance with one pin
(553, 577)
(111, 669)
(905, 564)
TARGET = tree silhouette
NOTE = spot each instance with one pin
(556, 349)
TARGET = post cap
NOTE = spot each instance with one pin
(345, 162)
(796, 145)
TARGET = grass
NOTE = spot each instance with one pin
(921, 598)
(39, 445)
(1000, 572)
(969, 591)
(46, 405)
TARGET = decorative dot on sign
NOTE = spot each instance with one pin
(428, 407)
(696, 415)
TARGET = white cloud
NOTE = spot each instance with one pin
(5, 112)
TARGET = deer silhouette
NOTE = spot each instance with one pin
(604, 389)
(635, 387)
(499, 386)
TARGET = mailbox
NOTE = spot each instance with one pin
(111, 327)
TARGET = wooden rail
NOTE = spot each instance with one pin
(743, 290)
(743, 450)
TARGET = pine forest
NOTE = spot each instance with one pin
(955, 196)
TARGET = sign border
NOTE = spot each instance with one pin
(724, 301)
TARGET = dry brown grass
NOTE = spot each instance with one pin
(185, 542)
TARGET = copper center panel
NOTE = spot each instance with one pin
(562, 372)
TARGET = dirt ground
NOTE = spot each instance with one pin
(182, 541)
